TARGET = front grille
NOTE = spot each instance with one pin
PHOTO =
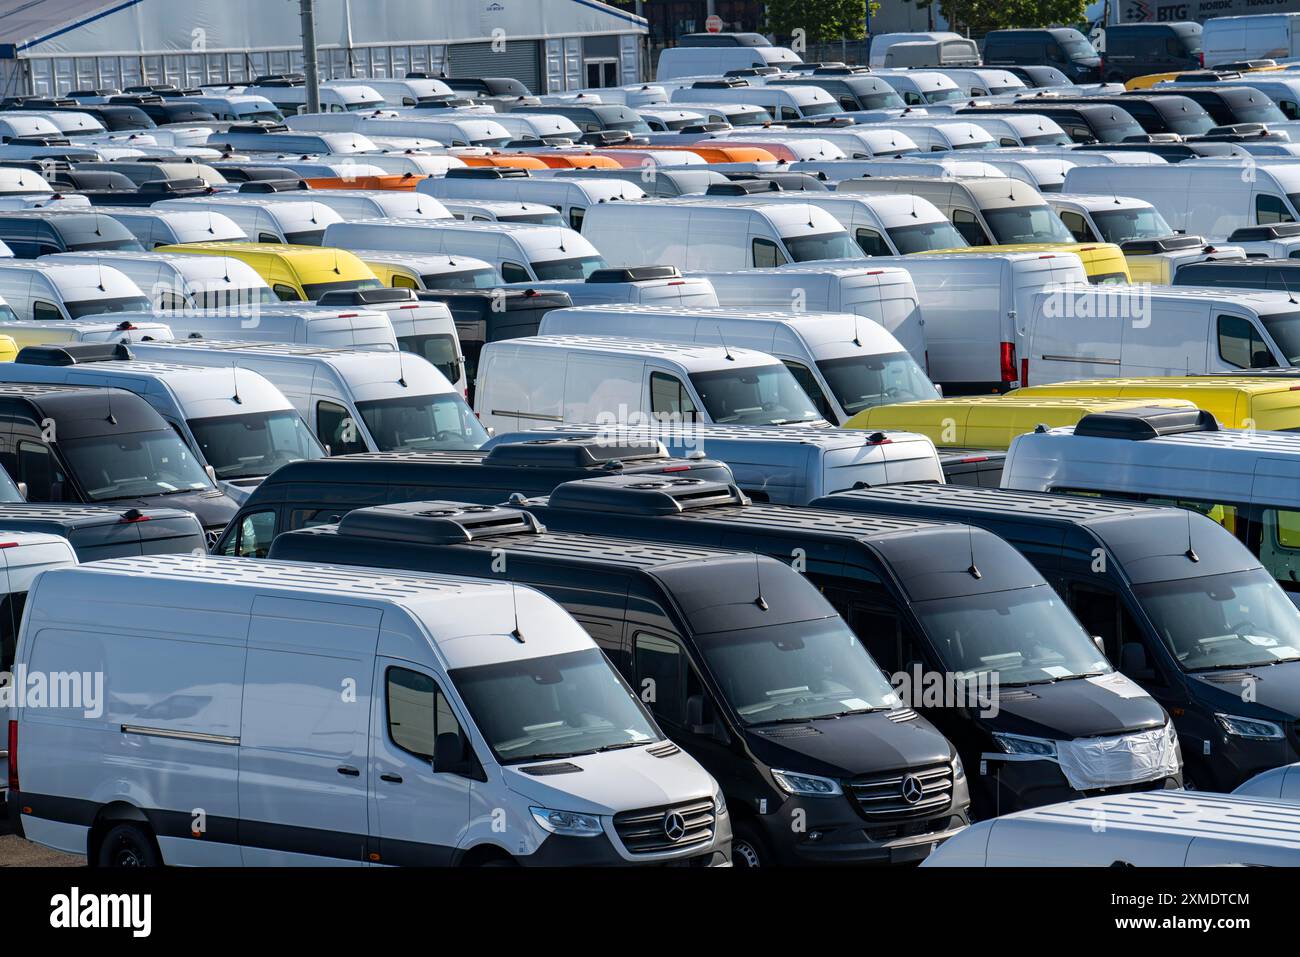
(892, 832)
(887, 795)
(647, 830)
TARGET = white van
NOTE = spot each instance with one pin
(637, 285)
(572, 197)
(1277, 784)
(1143, 829)
(921, 87)
(1014, 129)
(1265, 36)
(46, 291)
(883, 295)
(1088, 332)
(257, 139)
(436, 661)
(881, 42)
(301, 222)
(397, 92)
(486, 211)
(519, 251)
(367, 203)
(354, 401)
(707, 235)
(239, 427)
(335, 97)
(944, 165)
(609, 380)
(447, 129)
(934, 134)
(914, 54)
(861, 141)
(319, 326)
(166, 227)
(238, 107)
(1209, 198)
(843, 362)
(985, 81)
(715, 61)
(180, 281)
(28, 333)
(406, 270)
(545, 127)
(782, 103)
(977, 308)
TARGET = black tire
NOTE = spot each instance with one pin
(128, 845)
(748, 848)
(499, 862)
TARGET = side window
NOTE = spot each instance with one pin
(789, 113)
(668, 397)
(1271, 209)
(872, 243)
(309, 517)
(36, 468)
(912, 98)
(170, 301)
(661, 677)
(418, 712)
(1078, 226)
(1101, 613)
(1279, 547)
(336, 428)
(766, 254)
(11, 616)
(808, 382)
(575, 218)
(45, 311)
(1009, 141)
(513, 272)
(404, 282)
(253, 538)
(966, 223)
(1241, 345)
(268, 238)
(286, 293)
(848, 104)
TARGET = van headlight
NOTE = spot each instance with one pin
(958, 770)
(719, 804)
(1249, 727)
(568, 823)
(808, 785)
(1022, 744)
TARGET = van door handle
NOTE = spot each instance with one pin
(349, 771)
(391, 778)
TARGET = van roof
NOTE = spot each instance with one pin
(1259, 299)
(191, 383)
(77, 515)
(829, 438)
(235, 249)
(695, 357)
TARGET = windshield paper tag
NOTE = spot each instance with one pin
(1117, 684)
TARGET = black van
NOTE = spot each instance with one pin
(31, 234)
(1157, 113)
(1082, 122)
(1279, 274)
(324, 490)
(935, 604)
(741, 661)
(100, 531)
(104, 447)
(1140, 49)
(1063, 48)
(1168, 591)
(1227, 105)
(490, 315)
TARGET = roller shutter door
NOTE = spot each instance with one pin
(521, 59)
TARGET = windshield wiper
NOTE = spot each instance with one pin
(1086, 674)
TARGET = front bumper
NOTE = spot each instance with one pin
(1017, 785)
(559, 850)
(820, 831)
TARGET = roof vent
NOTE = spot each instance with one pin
(487, 172)
(365, 297)
(1145, 423)
(1256, 233)
(73, 354)
(743, 187)
(572, 452)
(638, 495)
(635, 274)
(437, 523)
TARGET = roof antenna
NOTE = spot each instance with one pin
(401, 369)
(336, 261)
(210, 229)
(725, 348)
(112, 419)
(516, 634)
(760, 602)
(970, 541)
(857, 333)
(234, 375)
(99, 271)
(1290, 297)
(1191, 552)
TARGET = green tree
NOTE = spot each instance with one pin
(818, 21)
(978, 17)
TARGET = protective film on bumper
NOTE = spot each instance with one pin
(1092, 763)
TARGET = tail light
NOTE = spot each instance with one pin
(1024, 372)
(1008, 362)
(13, 757)
(1200, 58)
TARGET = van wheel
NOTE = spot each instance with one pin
(747, 848)
(128, 845)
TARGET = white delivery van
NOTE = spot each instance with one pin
(1209, 198)
(520, 252)
(239, 427)
(299, 223)
(921, 87)
(985, 81)
(46, 291)
(402, 270)
(977, 308)
(257, 139)
(883, 295)
(703, 235)
(354, 401)
(1088, 332)
(1143, 829)
(347, 328)
(945, 165)
(340, 96)
(29, 333)
(715, 61)
(397, 92)
(1277, 784)
(843, 362)
(443, 734)
(782, 103)
(485, 211)
(861, 141)
(572, 197)
(609, 380)
(545, 127)
(1047, 175)
(881, 42)
(913, 54)
(238, 107)
(1014, 129)
(180, 281)
(167, 227)
(933, 134)
(367, 203)
(1265, 36)
(636, 285)
(665, 183)
(446, 128)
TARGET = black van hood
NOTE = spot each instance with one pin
(849, 746)
(1276, 689)
(213, 509)
(1076, 708)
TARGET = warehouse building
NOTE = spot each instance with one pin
(50, 47)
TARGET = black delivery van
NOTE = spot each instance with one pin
(1063, 48)
(32, 233)
(1280, 274)
(101, 531)
(1185, 610)
(103, 447)
(324, 490)
(1082, 122)
(741, 661)
(1140, 49)
(933, 603)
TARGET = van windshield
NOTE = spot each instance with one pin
(578, 268)
(822, 246)
(94, 307)
(795, 672)
(422, 422)
(1235, 620)
(439, 349)
(759, 395)
(1284, 329)
(254, 445)
(134, 465)
(315, 290)
(553, 707)
(1024, 635)
(919, 237)
(469, 279)
(862, 382)
(1122, 225)
(1026, 224)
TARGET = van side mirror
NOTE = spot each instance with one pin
(22, 490)
(1100, 643)
(449, 753)
(1133, 661)
(212, 473)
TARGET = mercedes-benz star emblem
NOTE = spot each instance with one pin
(674, 826)
(912, 790)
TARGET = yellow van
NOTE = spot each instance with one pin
(294, 273)
(991, 421)
(1238, 402)
(1103, 262)
(8, 349)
